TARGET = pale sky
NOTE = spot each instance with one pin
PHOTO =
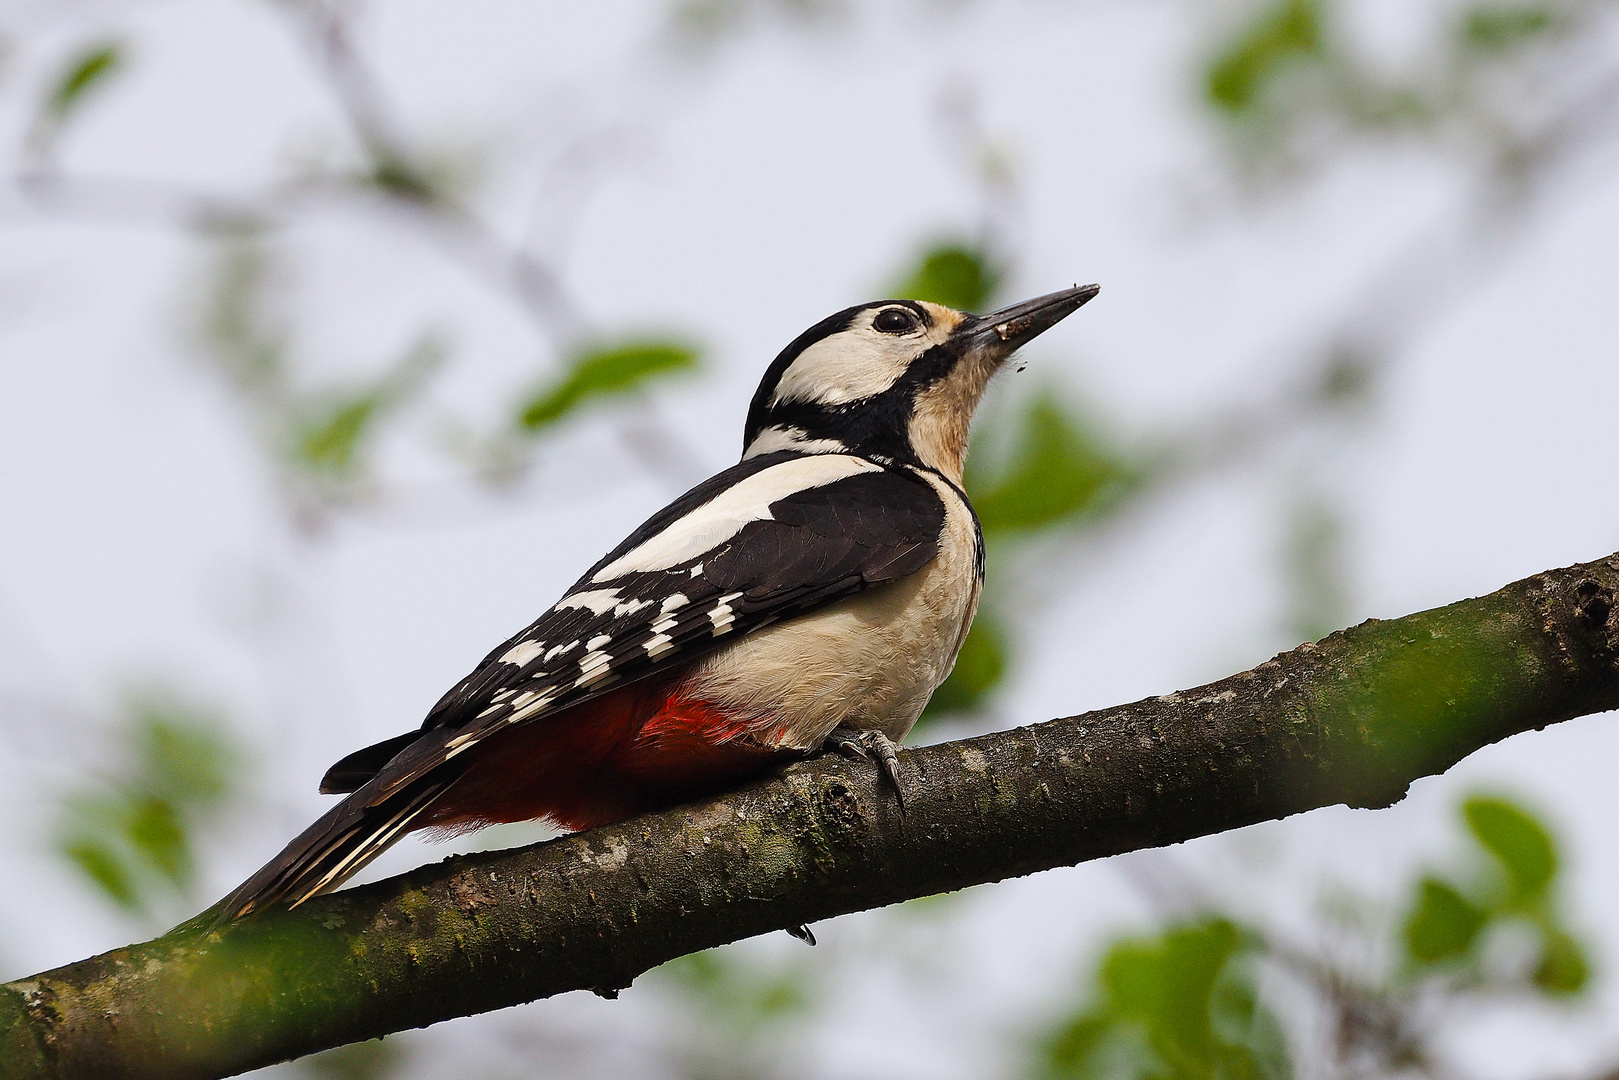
(741, 200)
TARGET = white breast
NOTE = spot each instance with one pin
(870, 661)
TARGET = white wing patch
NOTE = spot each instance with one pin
(597, 600)
(722, 616)
(594, 668)
(560, 649)
(674, 602)
(523, 652)
(723, 516)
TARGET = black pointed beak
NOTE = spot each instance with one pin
(1002, 332)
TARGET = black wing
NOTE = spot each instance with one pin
(799, 551)
(773, 537)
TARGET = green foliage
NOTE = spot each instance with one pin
(980, 667)
(1443, 923)
(1181, 1004)
(1497, 28)
(955, 275)
(605, 371)
(321, 435)
(1513, 882)
(743, 1011)
(331, 430)
(85, 71)
(1563, 970)
(1238, 76)
(1059, 471)
(1520, 843)
(130, 834)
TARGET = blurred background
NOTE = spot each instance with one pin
(337, 338)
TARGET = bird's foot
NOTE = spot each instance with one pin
(802, 933)
(870, 746)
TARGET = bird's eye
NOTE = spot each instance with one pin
(893, 321)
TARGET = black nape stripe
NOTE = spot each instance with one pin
(875, 426)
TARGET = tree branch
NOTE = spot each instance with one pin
(1351, 719)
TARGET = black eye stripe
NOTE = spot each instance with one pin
(894, 321)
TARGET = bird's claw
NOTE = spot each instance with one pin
(866, 745)
(802, 932)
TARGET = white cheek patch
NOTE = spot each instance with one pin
(722, 517)
(852, 364)
(858, 362)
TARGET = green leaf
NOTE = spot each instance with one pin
(131, 833)
(328, 443)
(746, 997)
(1238, 76)
(1179, 1005)
(1059, 470)
(1522, 844)
(102, 865)
(980, 666)
(86, 70)
(955, 275)
(332, 431)
(1443, 923)
(1563, 970)
(157, 835)
(1498, 28)
(605, 371)
(184, 760)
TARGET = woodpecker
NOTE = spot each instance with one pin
(810, 597)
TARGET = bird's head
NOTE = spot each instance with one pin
(895, 379)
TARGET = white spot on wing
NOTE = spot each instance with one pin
(540, 701)
(598, 641)
(560, 649)
(594, 668)
(630, 607)
(663, 626)
(659, 644)
(723, 516)
(698, 569)
(674, 602)
(722, 616)
(523, 652)
(597, 600)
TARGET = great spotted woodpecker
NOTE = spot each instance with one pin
(811, 596)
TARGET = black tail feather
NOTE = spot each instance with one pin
(353, 771)
(335, 847)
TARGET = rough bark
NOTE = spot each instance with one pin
(1351, 719)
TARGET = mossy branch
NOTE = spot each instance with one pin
(1351, 719)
